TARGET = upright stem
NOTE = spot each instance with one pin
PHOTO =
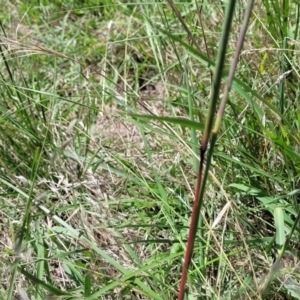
(198, 201)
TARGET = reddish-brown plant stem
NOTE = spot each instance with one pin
(193, 227)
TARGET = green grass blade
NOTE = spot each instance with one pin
(172, 120)
(279, 227)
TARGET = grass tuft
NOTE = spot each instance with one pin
(102, 110)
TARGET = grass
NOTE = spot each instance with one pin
(102, 110)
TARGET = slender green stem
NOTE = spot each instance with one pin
(198, 201)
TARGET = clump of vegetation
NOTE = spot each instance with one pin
(103, 107)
